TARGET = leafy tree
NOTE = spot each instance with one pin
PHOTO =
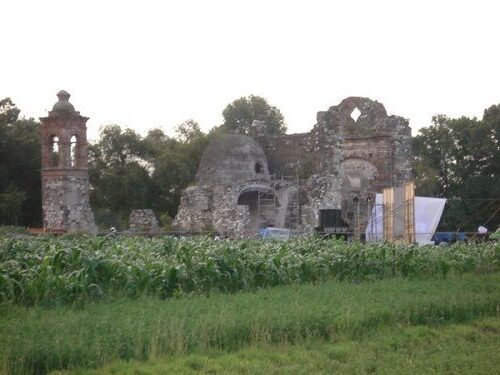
(155, 143)
(119, 176)
(240, 116)
(8, 112)
(11, 204)
(128, 171)
(117, 147)
(8, 115)
(20, 181)
(192, 144)
(188, 131)
(174, 163)
(433, 153)
(172, 173)
(491, 118)
(460, 159)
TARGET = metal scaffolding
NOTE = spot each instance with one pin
(278, 198)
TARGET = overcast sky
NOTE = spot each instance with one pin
(144, 64)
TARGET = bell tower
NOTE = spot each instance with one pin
(65, 178)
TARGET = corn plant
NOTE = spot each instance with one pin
(79, 269)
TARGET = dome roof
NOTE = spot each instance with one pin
(232, 159)
(63, 106)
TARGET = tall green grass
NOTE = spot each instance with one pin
(466, 348)
(38, 339)
(54, 271)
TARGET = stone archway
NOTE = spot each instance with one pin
(359, 179)
(261, 203)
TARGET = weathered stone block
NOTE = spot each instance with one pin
(143, 221)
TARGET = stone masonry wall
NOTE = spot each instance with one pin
(203, 209)
(143, 221)
(66, 204)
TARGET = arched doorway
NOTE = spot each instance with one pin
(359, 184)
(261, 202)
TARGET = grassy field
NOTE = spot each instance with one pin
(40, 339)
(470, 348)
(84, 302)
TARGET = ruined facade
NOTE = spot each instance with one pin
(65, 180)
(300, 181)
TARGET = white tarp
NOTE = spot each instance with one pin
(428, 212)
(275, 233)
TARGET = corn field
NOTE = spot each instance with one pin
(49, 271)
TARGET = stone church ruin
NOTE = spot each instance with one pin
(325, 179)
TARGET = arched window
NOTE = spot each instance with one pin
(72, 151)
(259, 168)
(54, 150)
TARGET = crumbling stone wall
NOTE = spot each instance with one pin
(345, 159)
(213, 210)
(318, 193)
(230, 166)
(375, 153)
(143, 221)
(66, 204)
(288, 154)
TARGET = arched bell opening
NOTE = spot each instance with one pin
(73, 151)
(54, 151)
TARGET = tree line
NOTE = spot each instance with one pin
(454, 158)
(459, 159)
